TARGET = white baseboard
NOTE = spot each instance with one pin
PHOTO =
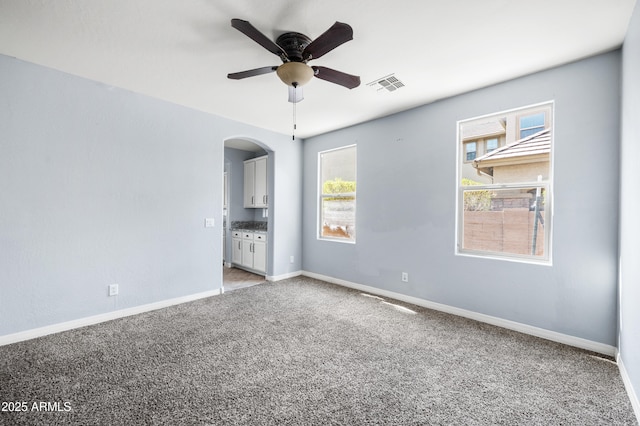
(82, 322)
(511, 325)
(283, 276)
(633, 396)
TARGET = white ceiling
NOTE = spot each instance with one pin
(181, 51)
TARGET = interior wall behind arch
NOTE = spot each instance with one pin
(100, 185)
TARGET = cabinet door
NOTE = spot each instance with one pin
(236, 252)
(249, 181)
(260, 256)
(247, 253)
(260, 185)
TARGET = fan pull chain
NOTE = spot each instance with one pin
(295, 97)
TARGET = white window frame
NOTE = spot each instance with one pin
(547, 259)
(321, 196)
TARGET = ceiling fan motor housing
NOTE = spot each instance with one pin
(295, 72)
(294, 44)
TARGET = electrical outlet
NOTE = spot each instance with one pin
(405, 277)
(113, 289)
(291, 259)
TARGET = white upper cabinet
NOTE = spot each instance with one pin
(249, 183)
(255, 183)
(260, 186)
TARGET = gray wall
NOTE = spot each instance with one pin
(630, 205)
(100, 185)
(406, 206)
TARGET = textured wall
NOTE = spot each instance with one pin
(630, 206)
(407, 195)
(99, 185)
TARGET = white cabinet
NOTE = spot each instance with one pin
(247, 251)
(260, 183)
(236, 251)
(250, 250)
(260, 252)
(255, 183)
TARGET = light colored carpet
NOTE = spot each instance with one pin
(304, 352)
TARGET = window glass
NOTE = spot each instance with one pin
(470, 150)
(504, 221)
(492, 144)
(531, 124)
(338, 194)
(504, 199)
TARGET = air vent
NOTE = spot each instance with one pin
(389, 83)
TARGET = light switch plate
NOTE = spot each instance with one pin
(209, 222)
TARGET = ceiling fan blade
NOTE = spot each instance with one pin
(251, 73)
(338, 77)
(254, 34)
(336, 35)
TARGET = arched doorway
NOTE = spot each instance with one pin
(247, 231)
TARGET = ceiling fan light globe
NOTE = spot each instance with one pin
(295, 73)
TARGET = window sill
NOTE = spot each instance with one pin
(508, 258)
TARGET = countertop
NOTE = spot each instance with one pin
(253, 226)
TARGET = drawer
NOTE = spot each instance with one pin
(247, 235)
(236, 234)
(260, 237)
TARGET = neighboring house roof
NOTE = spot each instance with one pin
(480, 130)
(533, 148)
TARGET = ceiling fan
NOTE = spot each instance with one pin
(295, 50)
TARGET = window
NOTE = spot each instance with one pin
(337, 204)
(531, 124)
(492, 144)
(504, 196)
(470, 149)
